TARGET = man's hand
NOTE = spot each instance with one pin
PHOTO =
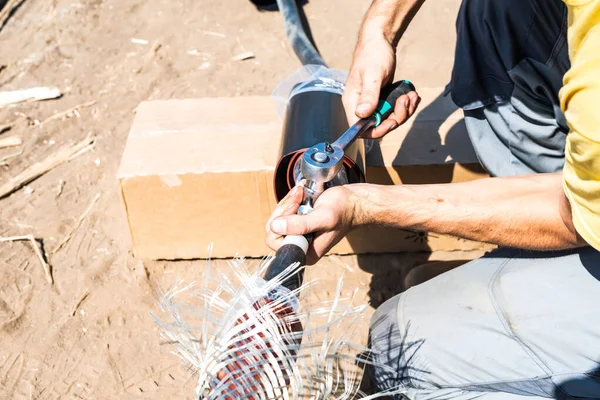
(334, 215)
(372, 68)
(525, 212)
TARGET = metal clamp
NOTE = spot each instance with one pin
(322, 162)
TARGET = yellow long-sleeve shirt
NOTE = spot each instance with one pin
(580, 100)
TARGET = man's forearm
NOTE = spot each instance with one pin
(389, 18)
(523, 212)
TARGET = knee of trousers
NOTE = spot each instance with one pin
(385, 342)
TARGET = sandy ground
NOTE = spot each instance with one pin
(108, 347)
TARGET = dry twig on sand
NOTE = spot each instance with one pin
(247, 55)
(30, 121)
(67, 113)
(10, 141)
(80, 301)
(4, 159)
(5, 127)
(38, 169)
(67, 238)
(38, 252)
(149, 56)
(8, 8)
(31, 94)
(59, 188)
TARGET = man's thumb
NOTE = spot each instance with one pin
(295, 225)
(369, 96)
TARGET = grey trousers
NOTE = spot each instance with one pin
(514, 324)
(511, 325)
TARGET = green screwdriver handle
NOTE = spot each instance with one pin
(388, 97)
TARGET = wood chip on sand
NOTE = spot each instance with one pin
(38, 169)
(37, 248)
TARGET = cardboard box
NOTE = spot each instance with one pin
(200, 171)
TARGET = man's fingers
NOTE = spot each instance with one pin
(274, 241)
(415, 99)
(406, 106)
(291, 225)
(401, 111)
(321, 245)
(289, 205)
(369, 93)
(386, 126)
(293, 198)
(350, 98)
(302, 224)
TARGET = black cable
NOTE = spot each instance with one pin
(294, 30)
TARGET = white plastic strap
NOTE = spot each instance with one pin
(298, 240)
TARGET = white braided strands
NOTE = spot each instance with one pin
(242, 346)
